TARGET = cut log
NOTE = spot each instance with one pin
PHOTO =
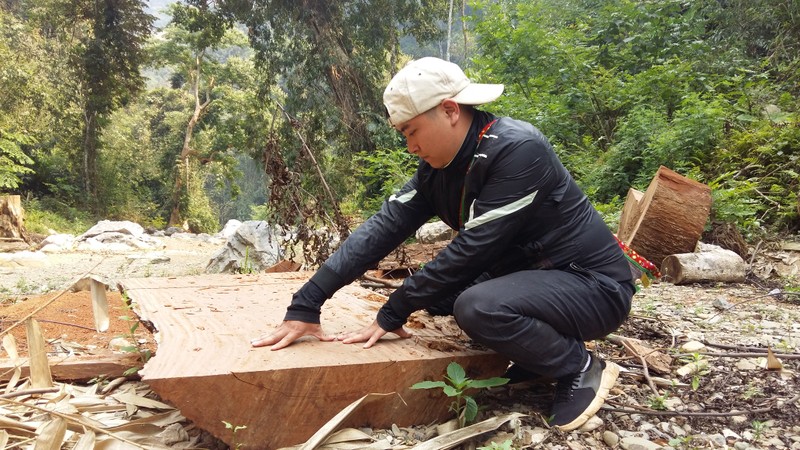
(671, 216)
(205, 366)
(11, 218)
(717, 264)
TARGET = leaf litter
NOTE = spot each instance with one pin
(704, 366)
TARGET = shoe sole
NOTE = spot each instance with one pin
(607, 380)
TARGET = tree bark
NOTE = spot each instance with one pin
(668, 219)
(12, 218)
(717, 264)
(183, 167)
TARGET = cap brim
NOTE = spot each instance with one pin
(478, 94)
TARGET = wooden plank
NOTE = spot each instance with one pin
(78, 368)
(205, 366)
(673, 212)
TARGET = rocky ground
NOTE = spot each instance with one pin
(696, 369)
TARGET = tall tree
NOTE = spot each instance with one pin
(111, 53)
(190, 47)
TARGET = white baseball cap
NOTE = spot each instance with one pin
(424, 83)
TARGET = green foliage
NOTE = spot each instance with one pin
(48, 214)
(464, 406)
(383, 172)
(13, 161)
(508, 444)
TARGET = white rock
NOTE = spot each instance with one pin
(610, 438)
(693, 346)
(592, 424)
(434, 232)
(637, 443)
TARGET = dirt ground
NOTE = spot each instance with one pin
(734, 402)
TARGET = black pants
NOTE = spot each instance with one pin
(540, 319)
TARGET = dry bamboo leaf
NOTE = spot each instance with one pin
(158, 420)
(348, 435)
(130, 398)
(39, 366)
(452, 439)
(3, 438)
(773, 363)
(100, 306)
(10, 346)
(7, 422)
(334, 423)
(86, 442)
(51, 435)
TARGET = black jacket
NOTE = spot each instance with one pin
(514, 205)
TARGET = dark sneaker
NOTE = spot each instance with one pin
(579, 396)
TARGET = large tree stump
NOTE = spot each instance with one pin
(12, 231)
(668, 219)
(715, 264)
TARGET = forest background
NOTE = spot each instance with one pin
(271, 109)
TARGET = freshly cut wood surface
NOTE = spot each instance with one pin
(671, 216)
(205, 366)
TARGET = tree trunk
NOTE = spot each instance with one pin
(668, 219)
(90, 160)
(12, 219)
(183, 167)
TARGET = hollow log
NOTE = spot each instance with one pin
(717, 264)
(668, 219)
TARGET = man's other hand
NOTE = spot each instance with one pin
(288, 332)
(371, 334)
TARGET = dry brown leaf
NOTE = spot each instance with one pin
(130, 398)
(37, 355)
(773, 363)
(51, 435)
(100, 306)
(452, 439)
(324, 432)
(86, 442)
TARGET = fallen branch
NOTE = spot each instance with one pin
(382, 282)
(30, 392)
(751, 355)
(632, 409)
(645, 371)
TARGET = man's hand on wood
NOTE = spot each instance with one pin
(371, 334)
(290, 331)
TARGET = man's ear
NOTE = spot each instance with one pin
(452, 110)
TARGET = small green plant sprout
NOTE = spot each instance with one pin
(506, 445)
(759, 428)
(658, 402)
(234, 429)
(457, 384)
(144, 353)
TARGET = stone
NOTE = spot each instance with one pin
(610, 438)
(592, 424)
(252, 248)
(435, 232)
(637, 443)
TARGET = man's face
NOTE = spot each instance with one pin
(430, 136)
